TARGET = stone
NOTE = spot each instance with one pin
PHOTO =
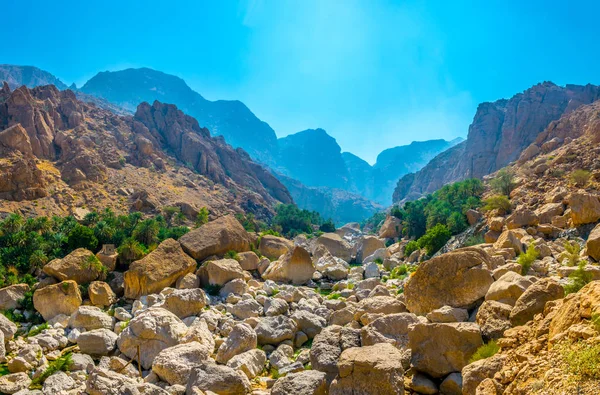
(81, 362)
(15, 382)
(440, 349)
(310, 382)
(8, 329)
(592, 244)
(422, 384)
(533, 300)
(108, 382)
(89, 318)
(273, 247)
(326, 350)
(508, 288)
(237, 286)
(548, 211)
(97, 342)
(391, 228)
(81, 266)
(520, 218)
(452, 384)
(457, 279)
(11, 295)
(219, 379)
(475, 373)
(274, 330)
(508, 239)
(448, 314)
(309, 323)
(294, 267)
(336, 246)
(242, 338)
(159, 269)
(153, 330)
(174, 364)
(378, 305)
(372, 270)
(245, 309)
(251, 362)
(189, 281)
(185, 302)
(493, 318)
(101, 294)
(281, 357)
(361, 367)
(367, 246)
(52, 300)
(219, 272)
(275, 306)
(58, 383)
(585, 208)
(473, 216)
(248, 260)
(216, 238)
(583, 305)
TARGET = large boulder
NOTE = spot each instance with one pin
(548, 211)
(103, 381)
(391, 228)
(216, 238)
(11, 296)
(378, 305)
(508, 239)
(89, 318)
(101, 294)
(508, 288)
(493, 318)
(219, 379)
(294, 267)
(367, 246)
(185, 302)
(533, 300)
(152, 330)
(473, 374)
(219, 272)
(336, 246)
(440, 349)
(458, 279)
(250, 362)
(592, 244)
(274, 330)
(521, 218)
(328, 346)
(369, 370)
(81, 266)
(585, 208)
(583, 305)
(273, 247)
(52, 300)
(157, 270)
(174, 364)
(242, 338)
(97, 342)
(309, 382)
(309, 323)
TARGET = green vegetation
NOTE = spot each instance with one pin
(63, 363)
(497, 202)
(202, 217)
(212, 289)
(375, 221)
(578, 279)
(504, 182)
(434, 239)
(571, 253)
(527, 258)
(232, 255)
(334, 296)
(410, 247)
(327, 226)
(474, 240)
(27, 244)
(291, 221)
(583, 359)
(485, 351)
(36, 330)
(580, 177)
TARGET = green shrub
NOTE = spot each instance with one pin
(410, 247)
(578, 279)
(201, 217)
(82, 237)
(334, 296)
(457, 223)
(497, 202)
(571, 253)
(583, 359)
(580, 177)
(504, 182)
(232, 255)
(474, 240)
(327, 227)
(63, 363)
(399, 272)
(487, 350)
(434, 239)
(38, 329)
(527, 258)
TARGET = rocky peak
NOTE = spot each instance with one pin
(30, 76)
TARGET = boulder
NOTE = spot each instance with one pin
(81, 266)
(457, 279)
(592, 244)
(393, 329)
(220, 379)
(328, 346)
(310, 382)
(245, 309)
(242, 338)
(548, 211)
(473, 374)
(448, 314)
(219, 272)
(101, 294)
(108, 382)
(15, 382)
(378, 305)
(52, 300)
(10, 296)
(583, 305)
(309, 323)
(274, 330)
(493, 318)
(533, 300)
(509, 287)
(521, 218)
(473, 216)
(391, 228)
(452, 384)
(174, 364)
(585, 208)
(361, 367)
(508, 239)
(159, 269)
(248, 260)
(97, 342)
(251, 362)
(185, 302)
(216, 238)
(336, 246)
(294, 267)
(89, 318)
(8, 329)
(189, 281)
(422, 384)
(367, 246)
(153, 330)
(273, 247)
(440, 349)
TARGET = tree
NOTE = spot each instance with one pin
(434, 239)
(82, 237)
(146, 232)
(504, 182)
(131, 250)
(327, 226)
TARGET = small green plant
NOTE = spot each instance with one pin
(596, 321)
(350, 286)
(571, 253)
(527, 258)
(27, 301)
(201, 217)
(334, 296)
(92, 262)
(274, 373)
(583, 359)
(497, 202)
(124, 324)
(474, 240)
(580, 177)
(487, 350)
(63, 363)
(275, 292)
(578, 279)
(410, 247)
(434, 239)
(378, 261)
(38, 329)
(232, 255)
(399, 272)
(14, 317)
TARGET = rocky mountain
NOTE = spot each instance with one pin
(59, 153)
(29, 76)
(499, 133)
(228, 118)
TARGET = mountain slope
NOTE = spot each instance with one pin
(231, 119)
(499, 133)
(29, 76)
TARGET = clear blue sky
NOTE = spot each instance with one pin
(374, 74)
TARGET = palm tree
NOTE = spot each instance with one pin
(146, 232)
(131, 250)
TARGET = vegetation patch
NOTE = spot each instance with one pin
(527, 258)
(582, 359)
(487, 350)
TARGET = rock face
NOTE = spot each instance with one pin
(62, 298)
(361, 367)
(220, 272)
(78, 266)
(273, 247)
(216, 238)
(586, 303)
(499, 133)
(455, 342)
(294, 267)
(457, 279)
(157, 270)
(533, 300)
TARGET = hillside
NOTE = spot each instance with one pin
(500, 131)
(29, 76)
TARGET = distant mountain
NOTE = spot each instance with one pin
(29, 76)
(229, 118)
(361, 174)
(499, 133)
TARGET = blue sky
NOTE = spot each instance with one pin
(374, 74)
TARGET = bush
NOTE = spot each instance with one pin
(410, 247)
(497, 202)
(63, 363)
(504, 182)
(527, 258)
(202, 217)
(474, 240)
(583, 359)
(457, 223)
(578, 279)
(232, 255)
(327, 227)
(434, 239)
(485, 351)
(571, 253)
(82, 237)
(580, 177)
(399, 272)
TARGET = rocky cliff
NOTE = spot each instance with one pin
(29, 76)
(499, 133)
